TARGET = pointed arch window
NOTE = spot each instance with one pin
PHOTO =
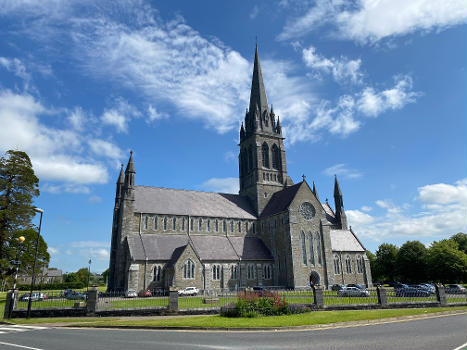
(267, 272)
(348, 264)
(200, 224)
(217, 225)
(312, 251)
(189, 269)
(216, 272)
(155, 222)
(318, 248)
(265, 155)
(208, 225)
(146, 220)
(174, 223)
(250, 158)
(183, 224)
(302, 236)
(157, 273)
(231, 226)
(234, 272)
(360, 264)
(224, 226)
(165, 223)
(276, 157)
(337, 265)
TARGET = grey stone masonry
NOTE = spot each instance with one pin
(173, 301)
(10, 304)
(318, 296)
(92, 301)
(440, 294)
(382, 296)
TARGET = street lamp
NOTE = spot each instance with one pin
(17, 263)
(33, 277)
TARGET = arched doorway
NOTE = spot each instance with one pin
(314, 278)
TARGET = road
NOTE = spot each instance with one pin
(436, 333)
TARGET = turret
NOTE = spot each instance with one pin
(129, 181)
(315, 192)
(120, 184)
(338, 201)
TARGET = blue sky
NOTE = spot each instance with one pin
(373, 91)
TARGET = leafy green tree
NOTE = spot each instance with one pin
(28, 248)
(385, 263)
(461, 240)
(372, 258)
(18, 187)
(83, 275)
(105, 275)
(412, 262)
(71, 277)
(447, 263)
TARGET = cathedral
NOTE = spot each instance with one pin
(274, 233)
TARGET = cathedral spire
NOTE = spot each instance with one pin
(338, 201)
(130, 176)
(315, 192)
(337, 192)
(258, 92)
(121, 177)
(130, 168)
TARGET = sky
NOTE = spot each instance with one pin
(373, 91)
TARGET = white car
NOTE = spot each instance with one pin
(188, 291)
(131, 293)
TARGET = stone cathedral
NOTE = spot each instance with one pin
(274, 233)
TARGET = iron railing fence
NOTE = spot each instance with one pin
(347, 297)
(118, 301)
(455, 297)
(51, 300)
(409, 295)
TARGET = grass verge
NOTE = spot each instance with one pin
(307, 319)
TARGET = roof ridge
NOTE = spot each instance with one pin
(185, 190)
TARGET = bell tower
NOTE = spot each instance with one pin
(262, 166)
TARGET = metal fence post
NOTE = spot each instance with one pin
(318, 296)
(173, 301)
(92, 298)
(11, 302)
(382, 296)
(440, 294)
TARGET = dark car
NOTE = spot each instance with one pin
(76, 296)
(454, 289)
(337, 287)
(412, 292)
(398, 285)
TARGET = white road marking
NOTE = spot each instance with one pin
(20, 346)
(460, 347)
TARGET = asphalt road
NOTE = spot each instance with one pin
(437, 333)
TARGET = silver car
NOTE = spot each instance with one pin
(353, 292)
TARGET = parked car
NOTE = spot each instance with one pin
(36, 296)
(398, 285)
(356, 285)
(454, 289)
(145, 293)
(430, 287)
(73, 295)
(188, 291)
(130, 293)
(353, 292)
(412, 292)
(337, 287)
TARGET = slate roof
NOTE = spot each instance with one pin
(208, 247)
(157, 247)
(330, 216)
(169, 201)
(280, 200)
(345, 241)
(251, 248)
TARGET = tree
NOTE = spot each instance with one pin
(28, 250)
(83, 275)
(18, 187)
(105, 275)
(461, 240)
(412, 262)
(71, 277)
(447, 263)
(372, 258)
(385, 264)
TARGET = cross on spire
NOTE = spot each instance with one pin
(303, 177)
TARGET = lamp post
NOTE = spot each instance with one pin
(17, 263)
(33, 277)
(89, 275)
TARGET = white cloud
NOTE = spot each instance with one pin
(441, 211)
(52, 250)
(68, 188)
(94, 199)
(342, 170)
(254, 12)
(120, 115)
(77, 119)
(342, 69)
(154, 114)
(105, 148)
(54, 152)
(89, 244)
(222, 185)
(369, 21)
(366, 208)
(17, 67)
(372, 103)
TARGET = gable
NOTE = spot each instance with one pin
(345, 241)
(280, 201)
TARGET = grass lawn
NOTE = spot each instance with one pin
(310, 318)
